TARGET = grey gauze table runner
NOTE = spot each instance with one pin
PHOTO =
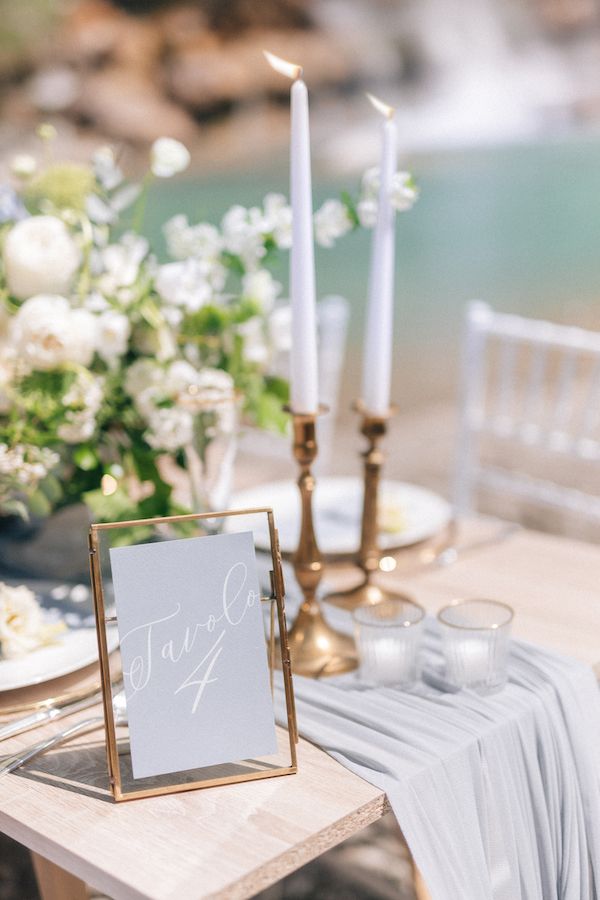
(498, 797)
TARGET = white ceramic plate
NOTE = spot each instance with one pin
(76, 648)
(413, 513)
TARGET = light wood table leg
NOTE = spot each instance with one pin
(421, 892)
(56, 883)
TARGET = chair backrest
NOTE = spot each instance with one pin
(532, 385)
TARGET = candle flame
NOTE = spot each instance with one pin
(290, 70)
(381, 107)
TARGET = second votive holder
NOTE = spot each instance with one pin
(476, 643)
(388, 638)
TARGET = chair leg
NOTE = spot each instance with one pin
(55, 883)
(421, 892)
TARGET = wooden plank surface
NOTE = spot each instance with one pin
(231, 842)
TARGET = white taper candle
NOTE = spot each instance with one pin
(303, 374)
(377, 363)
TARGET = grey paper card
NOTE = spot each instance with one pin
(194, 656)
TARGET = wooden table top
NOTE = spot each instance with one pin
(235, 840)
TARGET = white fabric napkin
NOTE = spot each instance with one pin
(498, 797)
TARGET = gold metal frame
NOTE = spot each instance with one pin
(275, 599)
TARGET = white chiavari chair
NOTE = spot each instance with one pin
(529, 430)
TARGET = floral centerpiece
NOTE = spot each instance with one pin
(117, 372)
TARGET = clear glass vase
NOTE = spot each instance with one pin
(210, 461)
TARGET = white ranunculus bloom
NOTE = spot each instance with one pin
(47, 333)
(40, 257)
(169, 429)
(331, 222)
(168, 157)
(261, 287)
(22, 625)
(113, 335)
(280, 329)
(186, 284)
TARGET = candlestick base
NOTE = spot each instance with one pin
(364, 594)
(316, 649)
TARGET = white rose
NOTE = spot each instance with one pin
(170, 429)
(113, 335)
(40, 257)
(262, 287)
(22, 627)
(168, 157)
(48, 333)
(331, 222)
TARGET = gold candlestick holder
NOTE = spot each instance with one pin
(374, 428)
(316, 649)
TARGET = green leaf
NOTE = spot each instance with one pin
(52, 489)
(85, 458)
(39, 504)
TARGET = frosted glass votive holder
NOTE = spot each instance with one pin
(388, 638)
(476, 643)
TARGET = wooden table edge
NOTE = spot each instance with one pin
(258, 879)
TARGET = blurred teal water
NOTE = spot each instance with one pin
(517, 226)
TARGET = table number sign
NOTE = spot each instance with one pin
(194, 658)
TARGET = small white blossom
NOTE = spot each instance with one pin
(113, 335)
(23, 165)
(255, 345)
(367, 212)
(40, 257)
(82, 402)
(106, 169)
(278, 219)
(141, 375)
(404, 192)
(184, 240)
(121, 263)
(261, 287)
(168, 157)
(280, 329)
(169, 429)
(243, 234)
(186, 284)
(331, 222)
